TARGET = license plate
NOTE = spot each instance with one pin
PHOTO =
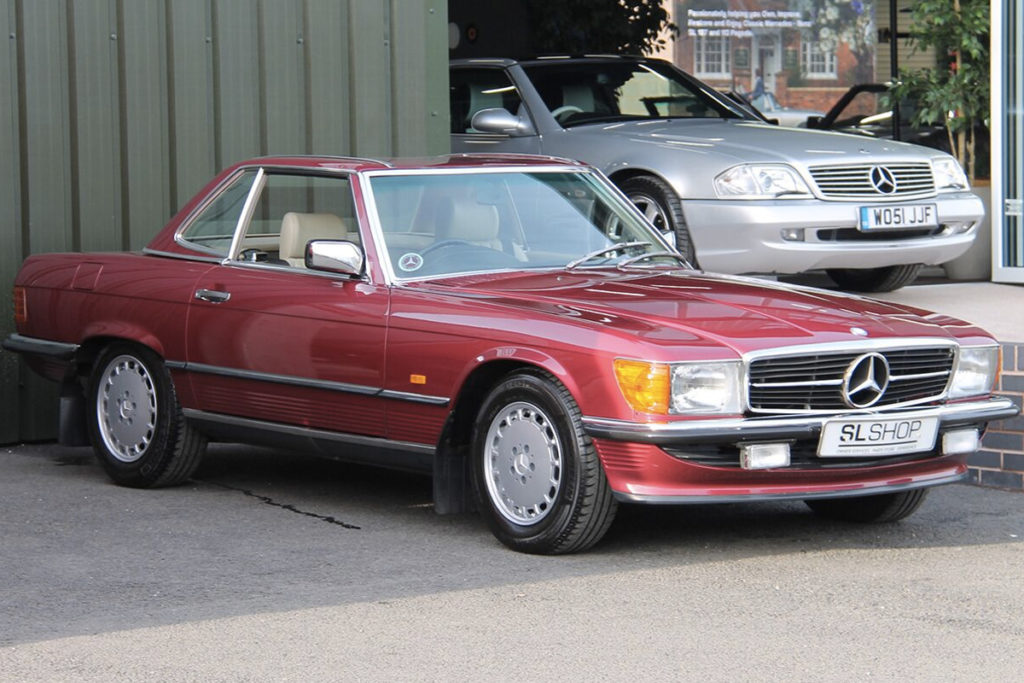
(903, 216)
(867, 436)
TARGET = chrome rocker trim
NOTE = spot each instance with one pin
(736, 430)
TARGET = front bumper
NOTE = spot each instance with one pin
(670, 462)
(746, 236)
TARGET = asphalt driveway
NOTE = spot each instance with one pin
(270, 566)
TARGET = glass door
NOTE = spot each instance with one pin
(1007, 143)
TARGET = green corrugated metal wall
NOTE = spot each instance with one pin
(114, 112)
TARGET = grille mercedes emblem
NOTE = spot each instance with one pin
(865, 380)
(883, 180)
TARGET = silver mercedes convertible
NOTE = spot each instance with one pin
(737, 195)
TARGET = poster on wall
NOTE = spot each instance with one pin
(780, 54)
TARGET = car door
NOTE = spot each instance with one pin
(270, 340)
(474, 88)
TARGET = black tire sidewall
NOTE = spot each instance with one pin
(658, 191)
(154, 461)
(543, 535)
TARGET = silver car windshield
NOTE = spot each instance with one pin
(452, 223)
(579, 93)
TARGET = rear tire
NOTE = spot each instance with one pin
(874, 279)
(135, 423)
(536, 475)
(885, 507)
(660, 204)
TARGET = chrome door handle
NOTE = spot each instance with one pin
(212, 295)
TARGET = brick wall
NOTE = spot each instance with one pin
(1000, 462)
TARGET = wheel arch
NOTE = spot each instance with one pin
(72, 420)
(452, 483)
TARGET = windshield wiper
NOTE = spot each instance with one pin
(653, 254)
(605, 250)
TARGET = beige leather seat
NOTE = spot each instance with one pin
(470, 221)
(299, 228)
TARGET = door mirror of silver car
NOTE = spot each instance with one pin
(501, 121)
(334, 256)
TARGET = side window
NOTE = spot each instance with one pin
(474, 89)
(291, 211)
(215, 225)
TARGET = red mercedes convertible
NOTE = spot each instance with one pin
(509, 324)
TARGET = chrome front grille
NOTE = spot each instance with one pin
(873, 181)
(819, 382)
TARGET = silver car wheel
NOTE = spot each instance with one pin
(126, 408)
(652, 211)
(523, 463)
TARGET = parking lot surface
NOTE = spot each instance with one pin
(274, 566)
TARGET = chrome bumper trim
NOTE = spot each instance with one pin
(17, 343)
(766, 497)
(736, 430)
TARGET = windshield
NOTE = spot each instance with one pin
(438, 224)
(595, 92)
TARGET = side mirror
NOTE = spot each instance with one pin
(501, 121)
(334, 256)
(814, 121)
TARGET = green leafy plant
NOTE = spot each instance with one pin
(956, 92)
(611, 26)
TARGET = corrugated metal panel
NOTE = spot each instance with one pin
(114, 112)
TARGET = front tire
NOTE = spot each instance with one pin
(536, 475)
(660, 204)
(882, 508)
(885, 279)
(135, 423)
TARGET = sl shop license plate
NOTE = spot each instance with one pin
(893, 217)
(867, 436)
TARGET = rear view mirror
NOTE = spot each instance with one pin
(501, 121)
(334, 256)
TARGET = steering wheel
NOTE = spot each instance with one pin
(565, 110)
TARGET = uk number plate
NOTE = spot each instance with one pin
(867, 436)
(903, 216)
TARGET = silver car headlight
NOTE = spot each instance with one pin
(948, 174)
(760, 181)
(707, 388)
(976, 371)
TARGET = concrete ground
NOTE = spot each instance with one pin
(275, 567)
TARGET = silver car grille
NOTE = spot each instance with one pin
(874, 181)
(821, 382)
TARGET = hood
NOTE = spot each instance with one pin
(673, 308)
(751, 142)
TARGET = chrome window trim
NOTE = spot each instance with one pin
(179, 237)
(305, 382)
(377, 230)
(183, 257)
(244, 218)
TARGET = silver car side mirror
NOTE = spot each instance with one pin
(335, 256)
(501, 121)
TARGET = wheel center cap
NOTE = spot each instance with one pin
(126, 408)
(521, 463)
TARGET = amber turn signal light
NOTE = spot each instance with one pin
(645, 386)
(20, 306)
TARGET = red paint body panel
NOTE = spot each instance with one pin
(388, 359)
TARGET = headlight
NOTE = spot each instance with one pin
(977, 368)
(948, 174)
(755, 181)
(681, 388)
